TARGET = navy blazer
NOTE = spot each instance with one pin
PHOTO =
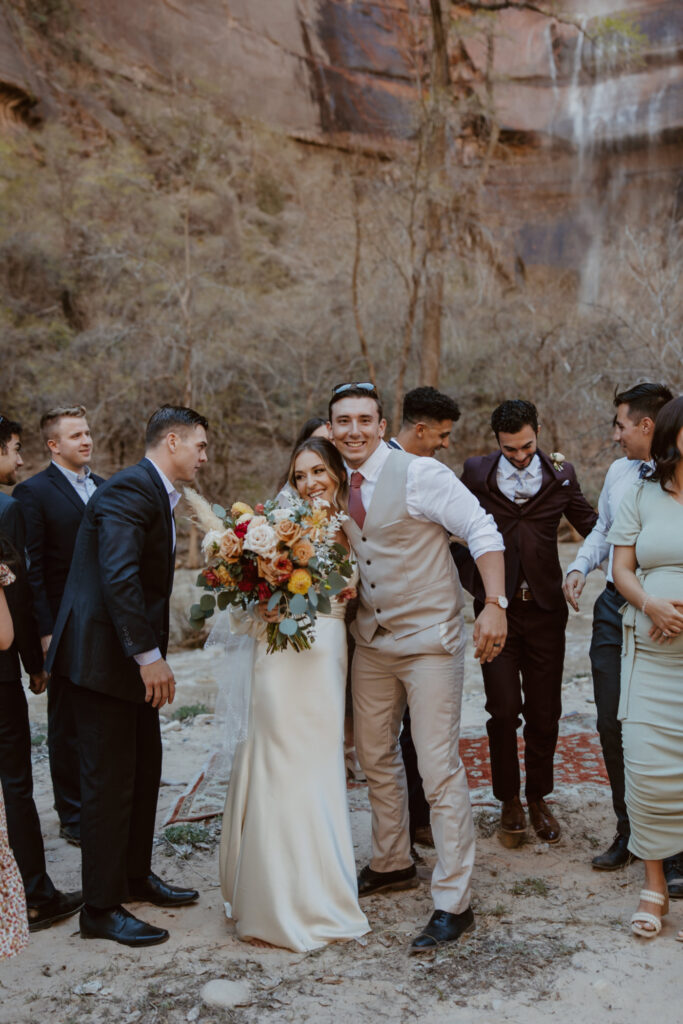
(53, 513)
(26, 636)
(116, 599)
(529, 530)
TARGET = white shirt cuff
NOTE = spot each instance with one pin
(147, 657)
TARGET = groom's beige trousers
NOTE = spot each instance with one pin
(419, 669)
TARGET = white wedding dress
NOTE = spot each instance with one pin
(287, 866)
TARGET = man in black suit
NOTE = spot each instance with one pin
(527, 492)
(45, 904)
(110, 640)
(53, 503)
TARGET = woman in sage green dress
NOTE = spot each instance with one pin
(648, 570)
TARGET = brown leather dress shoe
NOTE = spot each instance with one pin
(512, 816)
(545, 825)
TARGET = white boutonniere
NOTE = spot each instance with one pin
(558, 460)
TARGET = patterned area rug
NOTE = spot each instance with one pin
(578, 759)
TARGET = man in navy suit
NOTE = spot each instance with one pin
(110, 641)
(45, 903)
(53, 503)
(527, 493)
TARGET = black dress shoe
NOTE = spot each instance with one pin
(62, 904)
(423, 835)
(72, 834)
(370, 881)
(618, 856)
(673, 872)
(119, 926)
(442, 927)
(154, 890)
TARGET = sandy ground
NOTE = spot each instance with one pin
(552, 938)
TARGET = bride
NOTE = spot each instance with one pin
(287, 866)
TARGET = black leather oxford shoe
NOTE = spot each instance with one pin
(154, 890)
(62, 904)
(118, 925)
(617, 856)
(370, 881)
(442, 927)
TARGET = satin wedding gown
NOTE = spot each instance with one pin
(287, 866)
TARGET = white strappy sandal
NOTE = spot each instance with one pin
(642, 917)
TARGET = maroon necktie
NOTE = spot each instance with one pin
(356, 509)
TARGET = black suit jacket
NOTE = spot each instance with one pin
(116, 599)
(529, 530)
(26, 636)
(53, 513)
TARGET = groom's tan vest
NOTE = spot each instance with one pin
(408, 579)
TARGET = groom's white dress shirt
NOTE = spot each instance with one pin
(434, 494)
(621, 476)
(147, 657)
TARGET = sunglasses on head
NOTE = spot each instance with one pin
(364, 385)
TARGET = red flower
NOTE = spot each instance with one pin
(211, 578)
(245, 586)
(259, 509)
(241, 530)
(264, 592)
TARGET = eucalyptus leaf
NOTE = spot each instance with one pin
(209, 612)
(312, 597)
(288, 626)
(200, 581)
(298, 604)
(346, 569)
(219, 511)
(274, 601)
(196, 612)
(207, 602)
(335, 582)
(312, 563)
(311, 611)
(196, 623)
(324, 606)
(340, 549)
(223, 600)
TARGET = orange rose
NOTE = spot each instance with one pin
(224, 576)
(230, 546)
(288, 532)
(275, 570)
(302, 551)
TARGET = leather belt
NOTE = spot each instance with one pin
(610, 586)
(524, 594)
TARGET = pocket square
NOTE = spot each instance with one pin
(565, 483)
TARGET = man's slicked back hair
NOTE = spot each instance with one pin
(172, 418)
(644, 399)
(429, 404)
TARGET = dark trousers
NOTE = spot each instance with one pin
(525, 680)
(23, 824)
(62, 744)
(120, 749)
(418, 805)
(605, 655)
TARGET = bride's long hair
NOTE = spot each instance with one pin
(334, 464)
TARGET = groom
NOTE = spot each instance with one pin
(110, 641)
(410, 643)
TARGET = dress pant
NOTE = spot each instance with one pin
(418, 805)
(605, 655)
(120, 749)
(62, 745)
(525, 680)
(23, 824)
(419, 670)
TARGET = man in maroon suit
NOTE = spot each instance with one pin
(526, 492)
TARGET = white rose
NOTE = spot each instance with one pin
(279, 514)
(261, 537)
(246, 517)
(211, 540)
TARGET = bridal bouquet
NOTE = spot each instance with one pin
(287, 557)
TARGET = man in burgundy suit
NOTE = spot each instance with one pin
(526, 492)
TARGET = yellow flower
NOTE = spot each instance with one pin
(241, 509)
(300, 581)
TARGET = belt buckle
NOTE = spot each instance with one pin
(526, 594)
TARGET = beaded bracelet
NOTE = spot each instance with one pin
(644, 603)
